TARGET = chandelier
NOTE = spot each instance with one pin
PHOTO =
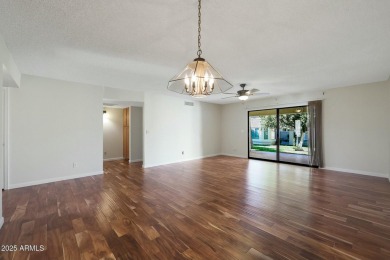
(199, 78)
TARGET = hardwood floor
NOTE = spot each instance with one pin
(215, 208)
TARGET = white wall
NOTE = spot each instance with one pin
(170, 127)
(1, 150)
(7, 60)
(136, 134)
(356, 130)
(356, 127)
(7, 65)
(234, 130)
(56, 131)
(113, 134)
(123, 95)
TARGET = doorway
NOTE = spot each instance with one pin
(115, 133)
(279, 135)
(6, 83)
(123, 132)
(126, 119)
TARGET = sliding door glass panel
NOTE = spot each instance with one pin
(293, 135)
(262, 134)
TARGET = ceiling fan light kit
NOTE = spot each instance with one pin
(199, 78)
(243, 98)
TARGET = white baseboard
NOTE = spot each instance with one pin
(31, 183)
(135, 160)
(374, 174)
(114, 159)
(178, 161)
(235, 155)
(1, 222)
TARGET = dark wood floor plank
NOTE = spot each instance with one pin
(215, 208)
(54, 244)
(69, 246)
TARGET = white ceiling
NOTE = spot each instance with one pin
(277, 46)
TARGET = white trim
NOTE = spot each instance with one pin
(1, 222)
(276, 106)
(135, 160)
(234, 155)
(5, 138)
(178, 161)
(375, 174)
(31, 183)
(279, 103)
(114, 159)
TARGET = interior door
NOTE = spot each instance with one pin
(126, 133)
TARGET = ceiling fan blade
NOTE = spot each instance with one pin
(229, 97)
(253, 90)
(260, 94)
(229, 93)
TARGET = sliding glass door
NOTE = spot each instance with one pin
(262, 134)
(279, 135)
(293, 135)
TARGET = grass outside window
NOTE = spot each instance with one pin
(283, 149)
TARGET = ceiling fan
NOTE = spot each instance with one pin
(244, 93)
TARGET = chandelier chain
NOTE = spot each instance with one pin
(199, 28)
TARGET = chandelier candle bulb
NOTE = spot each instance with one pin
(187, 84)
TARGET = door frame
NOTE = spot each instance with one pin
(5, 144)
